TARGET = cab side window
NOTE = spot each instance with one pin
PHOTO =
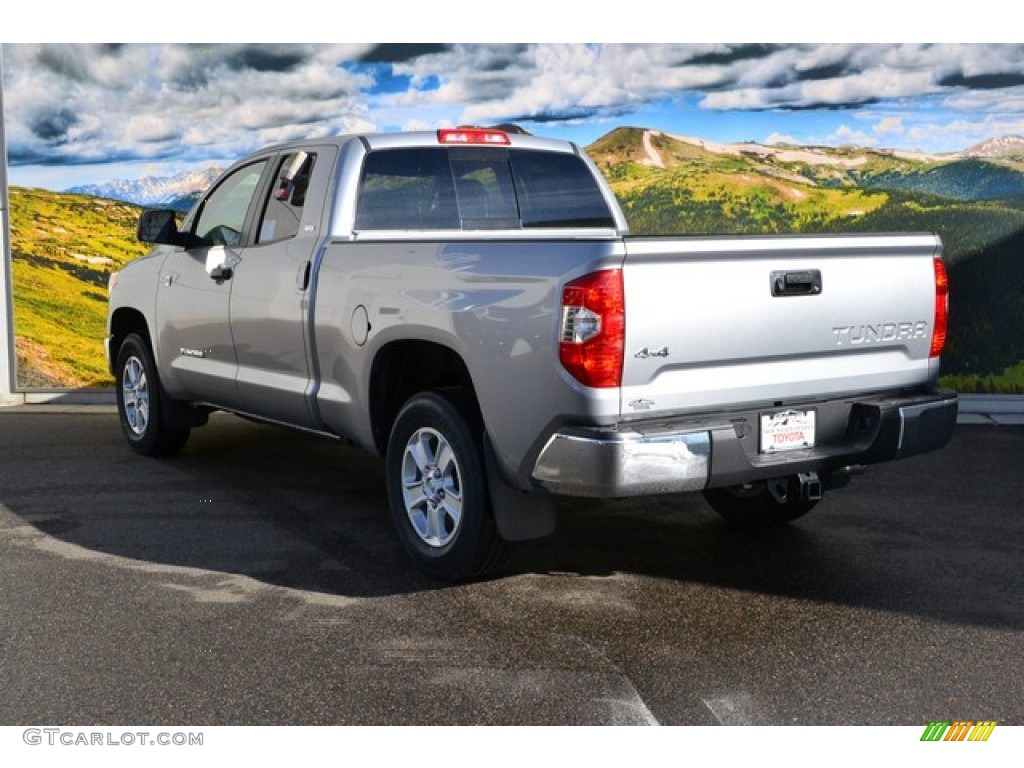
(282, 213)
(222, 217)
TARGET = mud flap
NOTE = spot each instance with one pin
(519, 515)
(178, 415)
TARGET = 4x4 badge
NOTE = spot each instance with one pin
(645, 353)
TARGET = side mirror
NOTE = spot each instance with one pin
(158, 226)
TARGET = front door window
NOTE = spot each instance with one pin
(222, 218)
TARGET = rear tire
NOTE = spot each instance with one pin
(437, 487)
(764, 504)
(140, 401)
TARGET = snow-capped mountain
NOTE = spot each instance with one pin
(1001, 147)
(153, 190)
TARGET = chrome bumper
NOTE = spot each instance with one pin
(624, 463)
(721, 450)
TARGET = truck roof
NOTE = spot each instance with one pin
(429, 139)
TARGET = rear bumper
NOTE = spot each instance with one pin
(715, 451)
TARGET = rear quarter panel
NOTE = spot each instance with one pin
(494, 302)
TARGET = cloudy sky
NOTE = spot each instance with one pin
(90, 113)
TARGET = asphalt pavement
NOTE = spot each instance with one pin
(255, 579)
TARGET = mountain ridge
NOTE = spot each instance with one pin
(990, 170)
(153, 190)
(814, 165)
(1001, 146)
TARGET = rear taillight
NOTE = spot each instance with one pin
(941, 309)
(472, 136)
(593, 328)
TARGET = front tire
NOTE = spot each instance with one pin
(437, 487)
(763, 504)
(140, 401)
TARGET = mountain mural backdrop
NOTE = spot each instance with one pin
(974, 199)
(179, 191)
(65, 244)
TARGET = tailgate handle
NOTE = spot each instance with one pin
(806, 282)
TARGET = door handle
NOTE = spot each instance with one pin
(804, 282)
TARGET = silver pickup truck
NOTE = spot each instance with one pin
(469, 305)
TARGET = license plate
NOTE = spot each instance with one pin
(787, 431)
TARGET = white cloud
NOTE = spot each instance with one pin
(1003, 100)
(960, 134)
(149, 128)
(781, 138)
(742, 98)
(415, 124)
(72, 103)
(68, 104)
(847, 135)
(550, 81)
(889, 125)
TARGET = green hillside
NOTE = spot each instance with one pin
(714, 200)
(843, 190)
(63, 248)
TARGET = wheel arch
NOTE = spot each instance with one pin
(404, 367)
(125, 321)
(400, 369)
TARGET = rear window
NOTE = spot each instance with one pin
(475, 188)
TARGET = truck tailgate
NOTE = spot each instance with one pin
(718, 323)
